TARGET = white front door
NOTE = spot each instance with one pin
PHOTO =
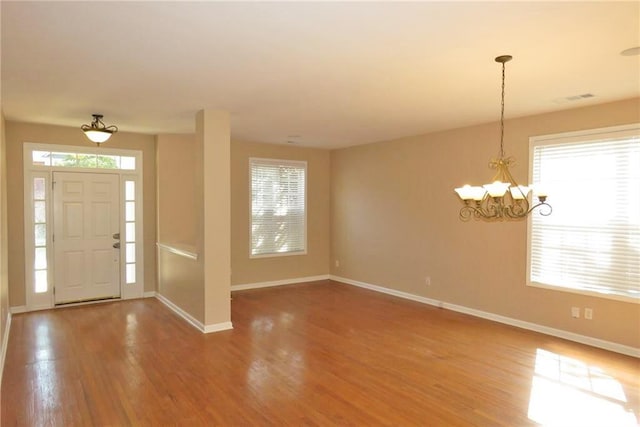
(86, 222)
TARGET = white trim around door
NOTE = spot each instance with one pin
(40, 162)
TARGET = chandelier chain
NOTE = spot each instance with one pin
(502, 116)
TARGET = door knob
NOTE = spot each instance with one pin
(116, 236)
(116, 245)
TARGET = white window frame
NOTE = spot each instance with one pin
(281, 162)
(585, 136)
(45, 300)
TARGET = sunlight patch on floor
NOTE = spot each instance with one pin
(567, 392)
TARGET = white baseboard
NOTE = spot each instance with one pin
(388, 291)
(279, 282)
(216, 327)
(180, 312)
(18, 309)
(5, 344)
(583, 339)
(149, 294)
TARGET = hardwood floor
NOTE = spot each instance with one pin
(311, 354)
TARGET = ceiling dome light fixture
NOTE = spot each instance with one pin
(503, 198)
(97, 131)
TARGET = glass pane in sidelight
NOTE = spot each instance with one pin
(130, 232)
(131, 273)
(130, 211)
(41, 259)
(40, 234)
(39, 211)
(38, 188)
(41, 281)
(131, 252)
(130, 190)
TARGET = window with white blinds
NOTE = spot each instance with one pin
(591, 242)
(278, 207)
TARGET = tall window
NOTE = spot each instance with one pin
(591, 241)
(278, 207)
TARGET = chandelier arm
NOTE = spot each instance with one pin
(516, 211)
(468, 211)
(521, 207)
(545, 209)
(497, 208)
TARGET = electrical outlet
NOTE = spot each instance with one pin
(588, 313)
(427, 280)
(337, 263)
(575, 312)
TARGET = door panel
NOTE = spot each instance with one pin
(86, 210)
(73, 218)
(100, 212)
(73, 268)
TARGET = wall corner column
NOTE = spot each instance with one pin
(213, 146)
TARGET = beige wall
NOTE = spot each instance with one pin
(394, 221)
(180, 279)
(316, 261)
(386, 211)
(176, 154)
(175, 160)
(4, 278)
(200, 165)
(16, 134)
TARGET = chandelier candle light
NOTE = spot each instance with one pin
(503, 198)
(97, 131)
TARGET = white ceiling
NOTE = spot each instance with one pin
(335, 74)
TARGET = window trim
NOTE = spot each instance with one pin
(297, 163)
(612, 132)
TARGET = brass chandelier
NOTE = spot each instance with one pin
(503, 198)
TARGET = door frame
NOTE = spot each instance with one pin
(45, 300)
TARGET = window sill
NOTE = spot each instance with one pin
(278, 254)
(596, 294)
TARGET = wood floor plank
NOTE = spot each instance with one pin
(317, 354)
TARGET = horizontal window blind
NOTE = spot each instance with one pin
(278, 207)
(591, 241)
